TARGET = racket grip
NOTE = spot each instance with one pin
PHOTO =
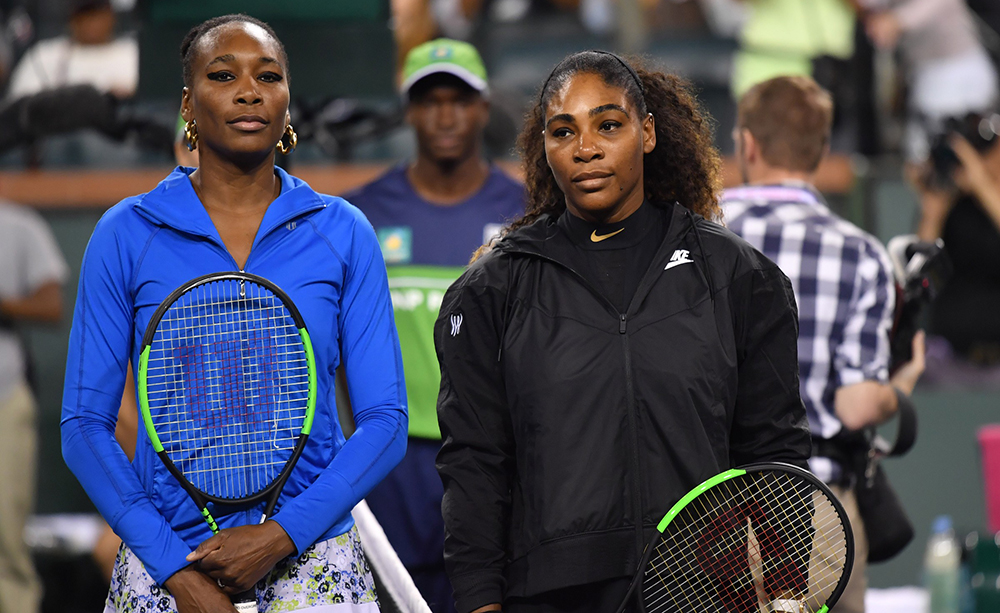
(246, 602)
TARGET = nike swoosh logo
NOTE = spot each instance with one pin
(595, 238)
(677, 263)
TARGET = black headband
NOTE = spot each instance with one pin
(631, 71)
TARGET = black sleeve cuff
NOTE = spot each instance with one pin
(478, 589)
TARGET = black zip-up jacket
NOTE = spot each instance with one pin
(569, 429)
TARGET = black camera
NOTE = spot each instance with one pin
(981, 130)
(69, 108)
(922, 269)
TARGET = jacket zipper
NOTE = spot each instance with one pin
(631, 410)
(633, 435)
(253, 248)
(274, 226)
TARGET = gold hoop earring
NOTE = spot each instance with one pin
(191, 134)
(293, 140)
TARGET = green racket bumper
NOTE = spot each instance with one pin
(698, 491)
(147, 419)
(311, 364)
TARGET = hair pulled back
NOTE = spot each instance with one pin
(684, 166)
(190, 43)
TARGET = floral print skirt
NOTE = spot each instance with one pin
(331, 576)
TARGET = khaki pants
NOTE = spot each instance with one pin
(852, 600)
(20, 591)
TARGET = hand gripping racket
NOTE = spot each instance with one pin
(760, 539)
(227, 390)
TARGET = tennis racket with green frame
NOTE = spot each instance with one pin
(227, 391)
(759, 539)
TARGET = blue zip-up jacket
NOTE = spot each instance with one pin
(319, 249)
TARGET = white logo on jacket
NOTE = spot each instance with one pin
(680, 256)
(456, 324)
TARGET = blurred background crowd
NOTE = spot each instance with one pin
(89, 98)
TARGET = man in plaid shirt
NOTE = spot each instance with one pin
(842, 278)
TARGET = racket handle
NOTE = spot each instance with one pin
(246, 602)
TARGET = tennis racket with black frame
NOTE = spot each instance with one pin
(227, 391)
(758, 539)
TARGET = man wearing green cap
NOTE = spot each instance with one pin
(430, 215)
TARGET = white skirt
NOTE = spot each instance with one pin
(331, 576)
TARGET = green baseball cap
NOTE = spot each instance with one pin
(445, 55)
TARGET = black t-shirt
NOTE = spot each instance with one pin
(972, 241)
(965, 311)
(614, 257)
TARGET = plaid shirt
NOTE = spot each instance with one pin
(843, 283)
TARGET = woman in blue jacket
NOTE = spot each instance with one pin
(236, 211)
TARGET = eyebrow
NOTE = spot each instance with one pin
(597, 110)
(607, 107)
(229, 57)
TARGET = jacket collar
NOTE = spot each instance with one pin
(543, 237)
(174, 203)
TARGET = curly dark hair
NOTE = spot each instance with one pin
(684, 167)
(190, 43)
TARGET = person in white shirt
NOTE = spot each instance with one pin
(32, 273)
(949, 72)
(89, 55)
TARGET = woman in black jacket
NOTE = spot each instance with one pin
(612, 351)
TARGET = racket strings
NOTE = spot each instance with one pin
(698, 589)
(702, 605)
(728, 550)
(699, 601)
(228, 385)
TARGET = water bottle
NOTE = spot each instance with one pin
(942, 567)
